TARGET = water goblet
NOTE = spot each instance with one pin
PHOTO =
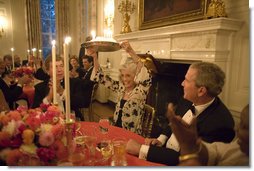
(104, 126)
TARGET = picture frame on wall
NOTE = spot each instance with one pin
(158, 13)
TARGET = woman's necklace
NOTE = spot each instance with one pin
(128, 93)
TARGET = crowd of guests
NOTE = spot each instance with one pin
(200, 130)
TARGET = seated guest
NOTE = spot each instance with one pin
(24, 62)
(4, 105)
(75, 70)
(193, 150)
(8, 62)
(40, 72)
(44, 90)
(132, 89)
(202, 85)
(17, 61)
(11, 89)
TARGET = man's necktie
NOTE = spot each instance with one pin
(192, 108)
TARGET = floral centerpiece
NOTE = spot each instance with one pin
(33, 136)
(21, 71)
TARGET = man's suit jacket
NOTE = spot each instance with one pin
(215, 123)
(40, 74)
(86, 88)
(11, 93)
(42, 90)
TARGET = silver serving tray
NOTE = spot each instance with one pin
(103, 46)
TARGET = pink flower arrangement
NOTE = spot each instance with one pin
(32, 136)
(19, 72)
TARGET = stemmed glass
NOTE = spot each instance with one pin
(87, 140)
(104, 126)
(105, 144)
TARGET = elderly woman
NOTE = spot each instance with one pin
(132, 89)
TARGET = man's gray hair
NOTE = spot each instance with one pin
(210, 76)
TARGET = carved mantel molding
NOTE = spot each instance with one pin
(205, 40)
(209, 40)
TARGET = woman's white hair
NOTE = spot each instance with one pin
(129, 64)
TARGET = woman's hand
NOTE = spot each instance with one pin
(92, 51)
(126, 46)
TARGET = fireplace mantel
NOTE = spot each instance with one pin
(205, 40)
(209, 40)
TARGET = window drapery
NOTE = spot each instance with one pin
(62, 22)
(33, 24)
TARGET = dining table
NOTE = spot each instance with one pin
(114, 132)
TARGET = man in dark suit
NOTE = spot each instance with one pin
(11, 91)
(202, 85)
(83, 50)
(8, 63)
(86, 85)
(44, 90)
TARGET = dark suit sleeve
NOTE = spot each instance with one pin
(41, 90)
(163, 155)
(40, 74)
(14, 92)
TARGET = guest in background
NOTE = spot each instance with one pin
(194, 151)
(8, 63)
(17, 61)
(87, 62)
(132, 89)
(44, 90)
(4, 105)
(75, 70)
(202, 85)
(82, 51)
(40, 72)
(11, 87)
(86, 83)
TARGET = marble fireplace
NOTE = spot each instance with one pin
(206, 40)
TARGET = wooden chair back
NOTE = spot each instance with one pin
(147, 121)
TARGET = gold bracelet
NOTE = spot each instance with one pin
(188, 156)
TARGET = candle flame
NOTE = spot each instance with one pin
(53, 42)
(34, 49)
(28, 50)
(67, 40)
(93, 34)
(12, 49)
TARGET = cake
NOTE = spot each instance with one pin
(103, 44)
(103, 39)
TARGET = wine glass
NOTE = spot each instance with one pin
(104, 126)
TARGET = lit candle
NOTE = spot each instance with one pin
(34, 52)
(12, 53)
(93, 34)
(109, 33)
(28, 55)
(40, 53)
(54, 70)
(67, 78)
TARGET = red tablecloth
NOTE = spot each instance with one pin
(116, 132)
